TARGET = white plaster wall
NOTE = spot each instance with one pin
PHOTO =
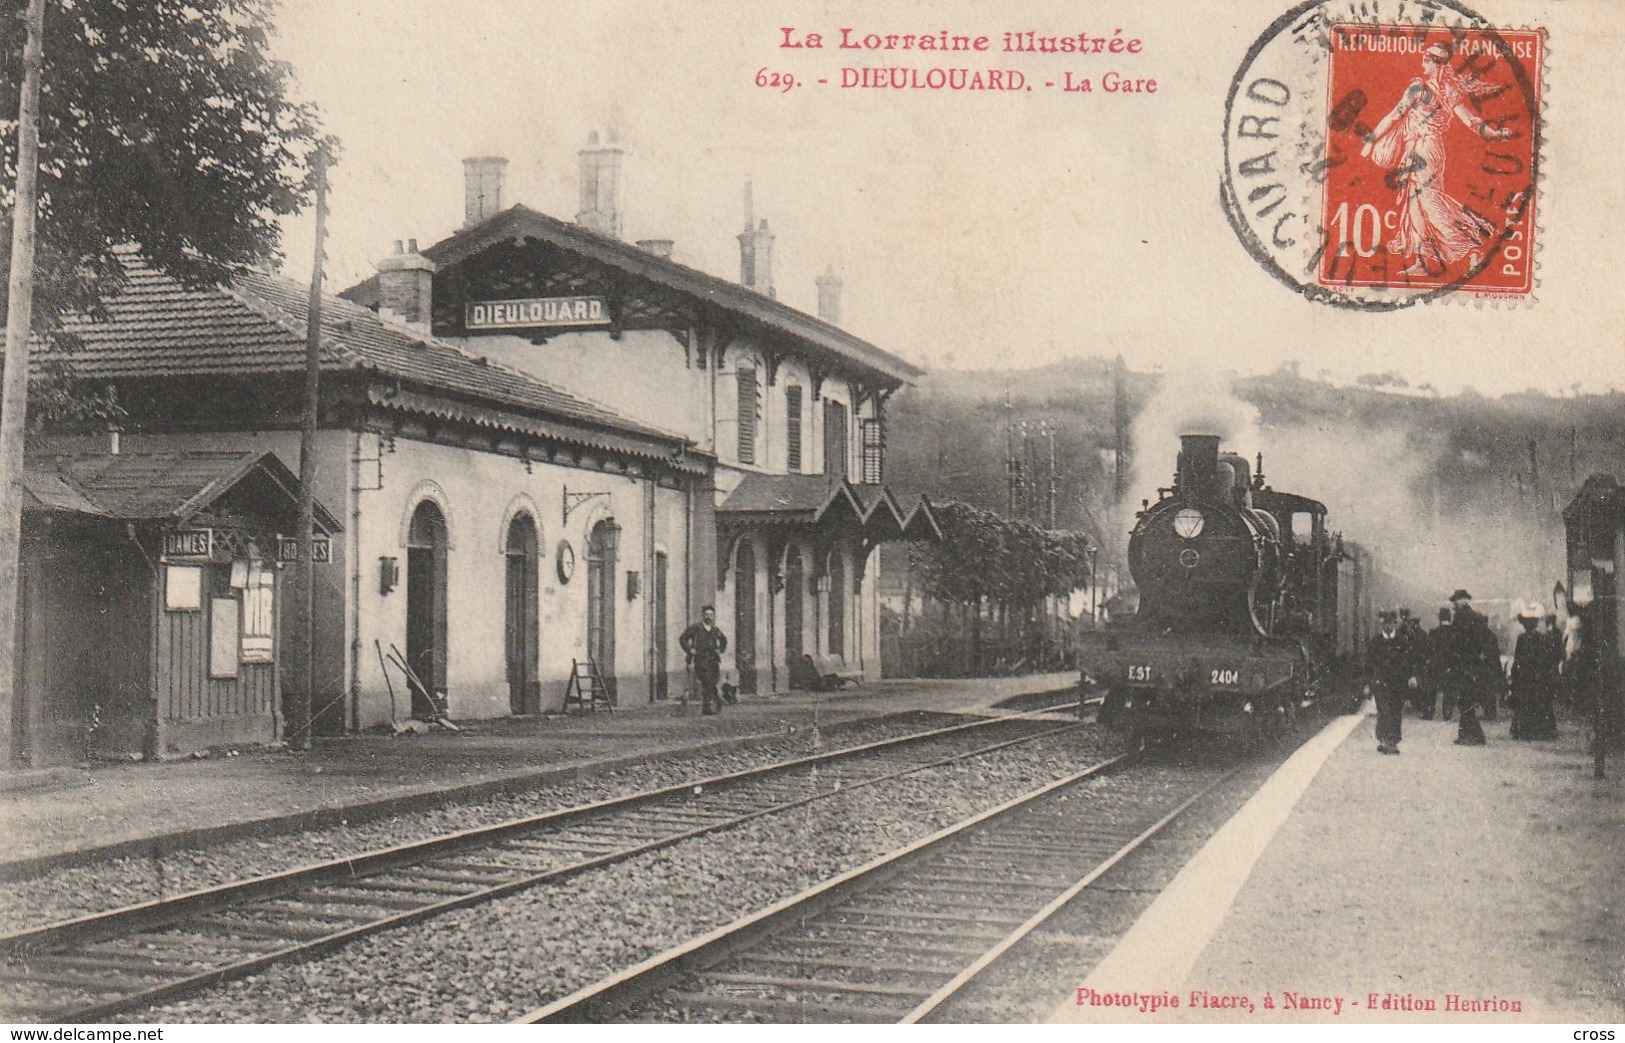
(644, 375)
(480, 493)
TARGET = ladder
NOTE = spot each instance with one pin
(587, 688)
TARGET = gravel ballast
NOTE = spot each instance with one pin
(111, 884)
(495, 961)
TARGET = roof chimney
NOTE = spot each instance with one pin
(482, 188)
(829, 296)
(658, 247)
(406, 286)
(755, 251)
(601, 185)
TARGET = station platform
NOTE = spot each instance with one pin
(1447, 885)
(62, 816)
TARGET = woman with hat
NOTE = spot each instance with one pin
(1534, 680)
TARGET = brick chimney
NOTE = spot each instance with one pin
(658, 247)
(755, 251)
(829, 296)
(406, 286)
(601, 185)
(482, 188)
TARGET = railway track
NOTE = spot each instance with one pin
(89, 968)
(898, 939)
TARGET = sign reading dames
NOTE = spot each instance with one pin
(537, 311)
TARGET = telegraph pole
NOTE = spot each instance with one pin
(14, 393)
(300, 723)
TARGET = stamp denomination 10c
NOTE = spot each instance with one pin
(1377, 158)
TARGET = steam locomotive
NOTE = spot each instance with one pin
(1248, 604)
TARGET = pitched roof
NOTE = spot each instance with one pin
(812, 334)
(157, 327)
(166, 486)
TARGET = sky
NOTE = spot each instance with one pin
(971, 230)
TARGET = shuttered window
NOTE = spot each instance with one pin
(747, 416)
(874, 451)
(792, 415)
(834, 437)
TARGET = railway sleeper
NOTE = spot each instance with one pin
(136, 965)
(436, 888)
(815, 1010)
(933, 971)
(883, 947)
(446, 876)
(996, 882)
(888, 929)
(897, 913)
(829, 985)
(376, 900)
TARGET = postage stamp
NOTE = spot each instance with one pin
(1380, 155)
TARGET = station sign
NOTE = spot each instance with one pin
(533, 312)
(321, 549)
(189, 545)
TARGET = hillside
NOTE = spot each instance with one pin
(1461, 490)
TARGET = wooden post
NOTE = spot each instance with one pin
(304, 679)
(14, 394)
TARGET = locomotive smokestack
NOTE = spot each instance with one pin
(1198, 458)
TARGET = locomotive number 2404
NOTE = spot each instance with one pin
(1223, 676)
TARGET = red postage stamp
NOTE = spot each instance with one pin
(1431, 157)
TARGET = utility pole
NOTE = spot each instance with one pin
(300, 724)
(14, 393)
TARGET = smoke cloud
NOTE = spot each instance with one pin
(1404, 494)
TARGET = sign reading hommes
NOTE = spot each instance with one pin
(537, 311)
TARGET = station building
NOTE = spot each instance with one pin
(791, 408)
(541, 450)
(491, 522)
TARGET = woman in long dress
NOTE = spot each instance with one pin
(1435, 229)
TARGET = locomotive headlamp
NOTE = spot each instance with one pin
(1188, 523)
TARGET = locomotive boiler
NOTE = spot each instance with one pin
(1246, 600)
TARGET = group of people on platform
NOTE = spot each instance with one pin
(1459, 663)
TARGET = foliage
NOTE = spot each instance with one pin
(984, 557)
(165, 125)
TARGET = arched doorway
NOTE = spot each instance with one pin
(795, 585)
(522, 616)
(603, 547)
(837, 604)
(745, 616)
(426, 605)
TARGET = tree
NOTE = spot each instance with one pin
(165, 125)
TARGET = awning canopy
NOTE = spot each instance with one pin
(174, 487)
(829, 503)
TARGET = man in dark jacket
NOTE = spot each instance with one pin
(703, 643)
(1472, 666)
(1392, 677)
(1435, 649)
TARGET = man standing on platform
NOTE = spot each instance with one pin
(703, 643)
(1391, 679)
(1472, 665)
(1437, 653)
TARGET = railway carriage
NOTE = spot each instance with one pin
(1248, 604)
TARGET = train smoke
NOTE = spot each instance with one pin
(1186, 402)
(1434, 520)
